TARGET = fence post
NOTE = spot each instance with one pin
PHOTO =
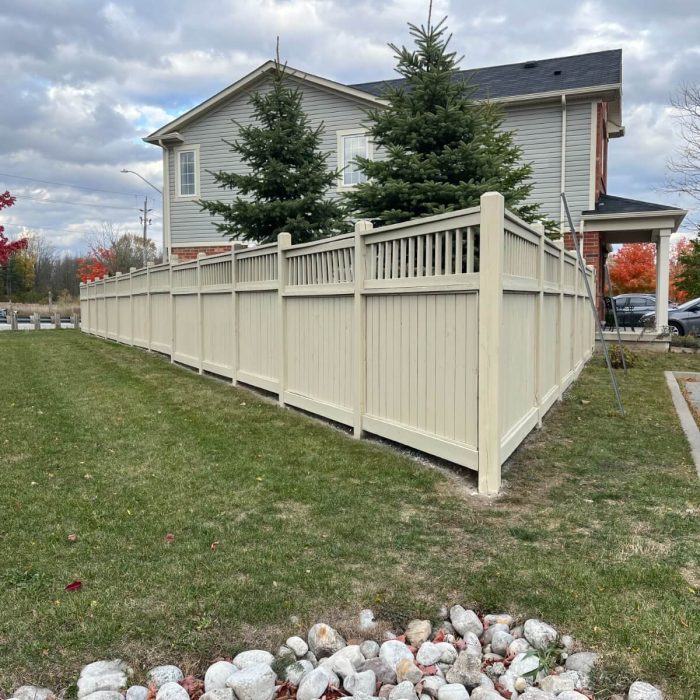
(172, 312)
(491, 242)
(359, 327)
(560, 321)
(104, 305)
(56, 320)
(131, 303)
(200, 313)
(37, 321)
(76, 321)
(284, 241)
(148, 306)
(13, 321)
(234, 317)
(539, 322)
(116, 306)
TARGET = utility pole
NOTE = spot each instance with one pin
(145, 221)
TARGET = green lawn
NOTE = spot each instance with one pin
(275, 514)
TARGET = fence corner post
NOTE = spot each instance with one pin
(200, 314)
(284, 241)
(37, 321)
(359, 329)
(149, 265)
(491, 242)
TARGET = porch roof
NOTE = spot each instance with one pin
(624, 220)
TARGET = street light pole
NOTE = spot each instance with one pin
(145, 220)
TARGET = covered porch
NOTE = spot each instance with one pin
(617, 220)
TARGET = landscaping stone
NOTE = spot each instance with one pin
(403, 691)
(584, 662)
(406, 670)
(369, 649)
(33, 692)
(217, 674)
(644, 691)
(418, 631)
(481, 693)
(465, 621)
(253, 683)
(219, 694)
(160, 675)
(367, 621)
(313, 685)
(171, 691)
(448, 654)
(359, 683)
(523, 664)
(518, 646)
(571, 695)
(536, 694)
(432, 684)
(386, 675)
(298, 646)
(92, 683)
(138, 692)
(539, 634)
(500, 642)
(453, 691)
(324, 641)
(393, 651)
(252, 657)
(491, 630)
(296, 671)
(558, 683)
(473, 645)
(428, 654)
(499, 619)
(465, 670)
(105, 695)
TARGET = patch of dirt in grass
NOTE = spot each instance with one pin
(691, 575)
(641, 547)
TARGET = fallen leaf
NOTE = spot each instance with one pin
(169, 538)
(72, 537)
(75, 586)
(585, 402)
(88, 476)
(214, 545)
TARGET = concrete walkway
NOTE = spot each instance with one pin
(690, 427)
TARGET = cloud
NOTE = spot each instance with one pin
(85, 80)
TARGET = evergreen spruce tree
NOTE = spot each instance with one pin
(287, 175)
(442, 149)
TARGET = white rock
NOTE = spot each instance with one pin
(571, 695)
(367, 621)
(481, 693)
(369, 649)
(253, 683)
(431, 685)
(522, 664)
(486, 682)
(33, 692)
(393, 651)
(172, 691)
(361, 683)
(521, 684)
(536, 694)
(350, 654)
(109, 681)
(473, 645)
(219, 694)
(137, 692)
(499, 619)
(324, 640)
(296, 671)
(567, 642)
(252, 657)
(558, 683)
(518, 646)
(313, 685)
(428, 654)
(333, 679)
(298, 646)
(418, 631)
(160, 675)
(104, 668)
(643, 691)
(105, 695)
(453, 691)
(465, 621)
(216, 675)
(448, 654)
(406, 670)
(539, 633)
(584, 663)
(500, 642)
(492, 629)
(403, 691)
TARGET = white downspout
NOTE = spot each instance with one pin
(166, 201)
(563, 163)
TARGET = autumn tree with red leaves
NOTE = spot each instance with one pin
(633, 269)
(7, 247)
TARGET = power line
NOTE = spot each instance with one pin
(66, 184)
(75, 204)
(50, 228)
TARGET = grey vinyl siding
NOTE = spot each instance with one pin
(537, 131)
(187, 223)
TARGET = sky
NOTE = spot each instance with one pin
(84, 81)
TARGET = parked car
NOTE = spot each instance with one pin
(632, 307)
(683, 320)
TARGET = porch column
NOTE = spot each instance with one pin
(663, 245)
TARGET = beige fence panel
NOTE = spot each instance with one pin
(451, 334)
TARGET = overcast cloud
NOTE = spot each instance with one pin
(84, 80)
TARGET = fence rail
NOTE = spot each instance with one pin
(452, 334)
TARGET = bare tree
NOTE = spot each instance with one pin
(684, 168)
(120, 250)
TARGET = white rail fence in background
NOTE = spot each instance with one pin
(452, 334)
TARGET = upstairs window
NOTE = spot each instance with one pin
(188, 172)
(352, 144)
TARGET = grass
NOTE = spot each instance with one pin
(276, 515)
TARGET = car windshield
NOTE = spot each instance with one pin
(689, 304)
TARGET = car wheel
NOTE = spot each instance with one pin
(676, 328)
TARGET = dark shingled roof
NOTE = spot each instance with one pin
(532, 77)
(607, 204)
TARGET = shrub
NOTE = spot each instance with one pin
(616, 356)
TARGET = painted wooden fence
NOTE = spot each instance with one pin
(452, 334)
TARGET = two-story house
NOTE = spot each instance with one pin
(563, 112)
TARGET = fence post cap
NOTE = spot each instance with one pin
(150, 264)
(119, 274)
(363, 225)
(284, 239)
(201, 255)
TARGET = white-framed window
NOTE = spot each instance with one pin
(351, 144)
(187, 171)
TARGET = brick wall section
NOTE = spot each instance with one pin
(593, 254)
(182, 254)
